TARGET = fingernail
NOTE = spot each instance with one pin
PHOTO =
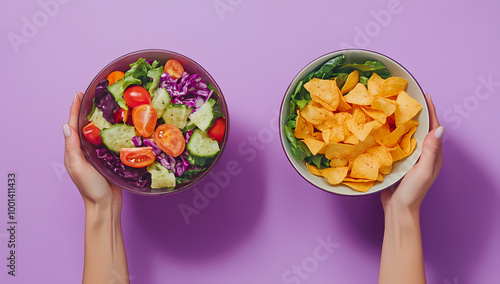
(66, 130)
(76, 96)
(439, 132)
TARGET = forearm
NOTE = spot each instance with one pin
(105, 259)
(402, 258)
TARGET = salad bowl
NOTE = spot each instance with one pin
(123, 64)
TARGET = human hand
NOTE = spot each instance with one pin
(413, 187)
(93, 187)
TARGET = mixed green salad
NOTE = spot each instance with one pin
(156, 126)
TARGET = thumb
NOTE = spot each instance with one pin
(73, 154)
(432, 148)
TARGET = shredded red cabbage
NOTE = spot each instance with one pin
(188, 89)
(136, 176)
(137, 140)
(177, 165)
(188, 135)
(105, 101)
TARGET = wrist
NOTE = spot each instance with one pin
(401, 216)
(102, 211)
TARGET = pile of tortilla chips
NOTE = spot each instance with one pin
(361, 130)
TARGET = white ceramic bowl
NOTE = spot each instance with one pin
(400, 168)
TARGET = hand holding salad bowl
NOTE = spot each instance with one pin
(153, 122)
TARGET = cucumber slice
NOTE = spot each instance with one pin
(99, 121)
(160, 101)
(116, 91)
(177, 114)
(118, 136)
(161, 177)
(189, 126)
(200, 145)
(197, 160)
(205, 116)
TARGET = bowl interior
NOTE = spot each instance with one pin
(123, 64)
(400, 168)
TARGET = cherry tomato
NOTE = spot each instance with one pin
(129, 119)
(169, 138)
(91, 132)
(137, 157)
(120, 115)
(115, 76)
(144, 118)
(174, 68)
(136, 96)
(216, 132)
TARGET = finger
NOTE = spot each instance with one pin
(73, 153)
(432, 148)
(74, 110)
(434, 122)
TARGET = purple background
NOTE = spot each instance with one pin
(267, 218)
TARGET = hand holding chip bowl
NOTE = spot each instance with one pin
(415, 184)
(353, 122)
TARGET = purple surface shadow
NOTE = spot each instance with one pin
(225, 222)
(457, 217)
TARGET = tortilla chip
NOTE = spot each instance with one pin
(338, 162)
(351, 179)
(392, 86)
(361, 131)
(385, 105)
(351, 82)
(386, 170)
(380, 177)
(319, 137)
(342, 117)
(343, 105)
(358, 115)
(398, 153)
(313, 114)
(314, 145)
(381, 132)
(324, 92)
(335, 175)
(406, 108)
(301, 129)
(359, 186)
(406, 140)
(375, 114)
(361, 147)
(382, 154)
(365, 166)
(338, 150)
(394, 137)
(359, 95)
(337, 133)
(313, 170)
(351, 139)
(375, 84)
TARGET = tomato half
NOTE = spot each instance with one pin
(91, 132)
(115, 76)
(120, 115)
(137, 157)
(174, 68)
(217, 130)
(136, 96)
(144, 118)
(169, 138)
